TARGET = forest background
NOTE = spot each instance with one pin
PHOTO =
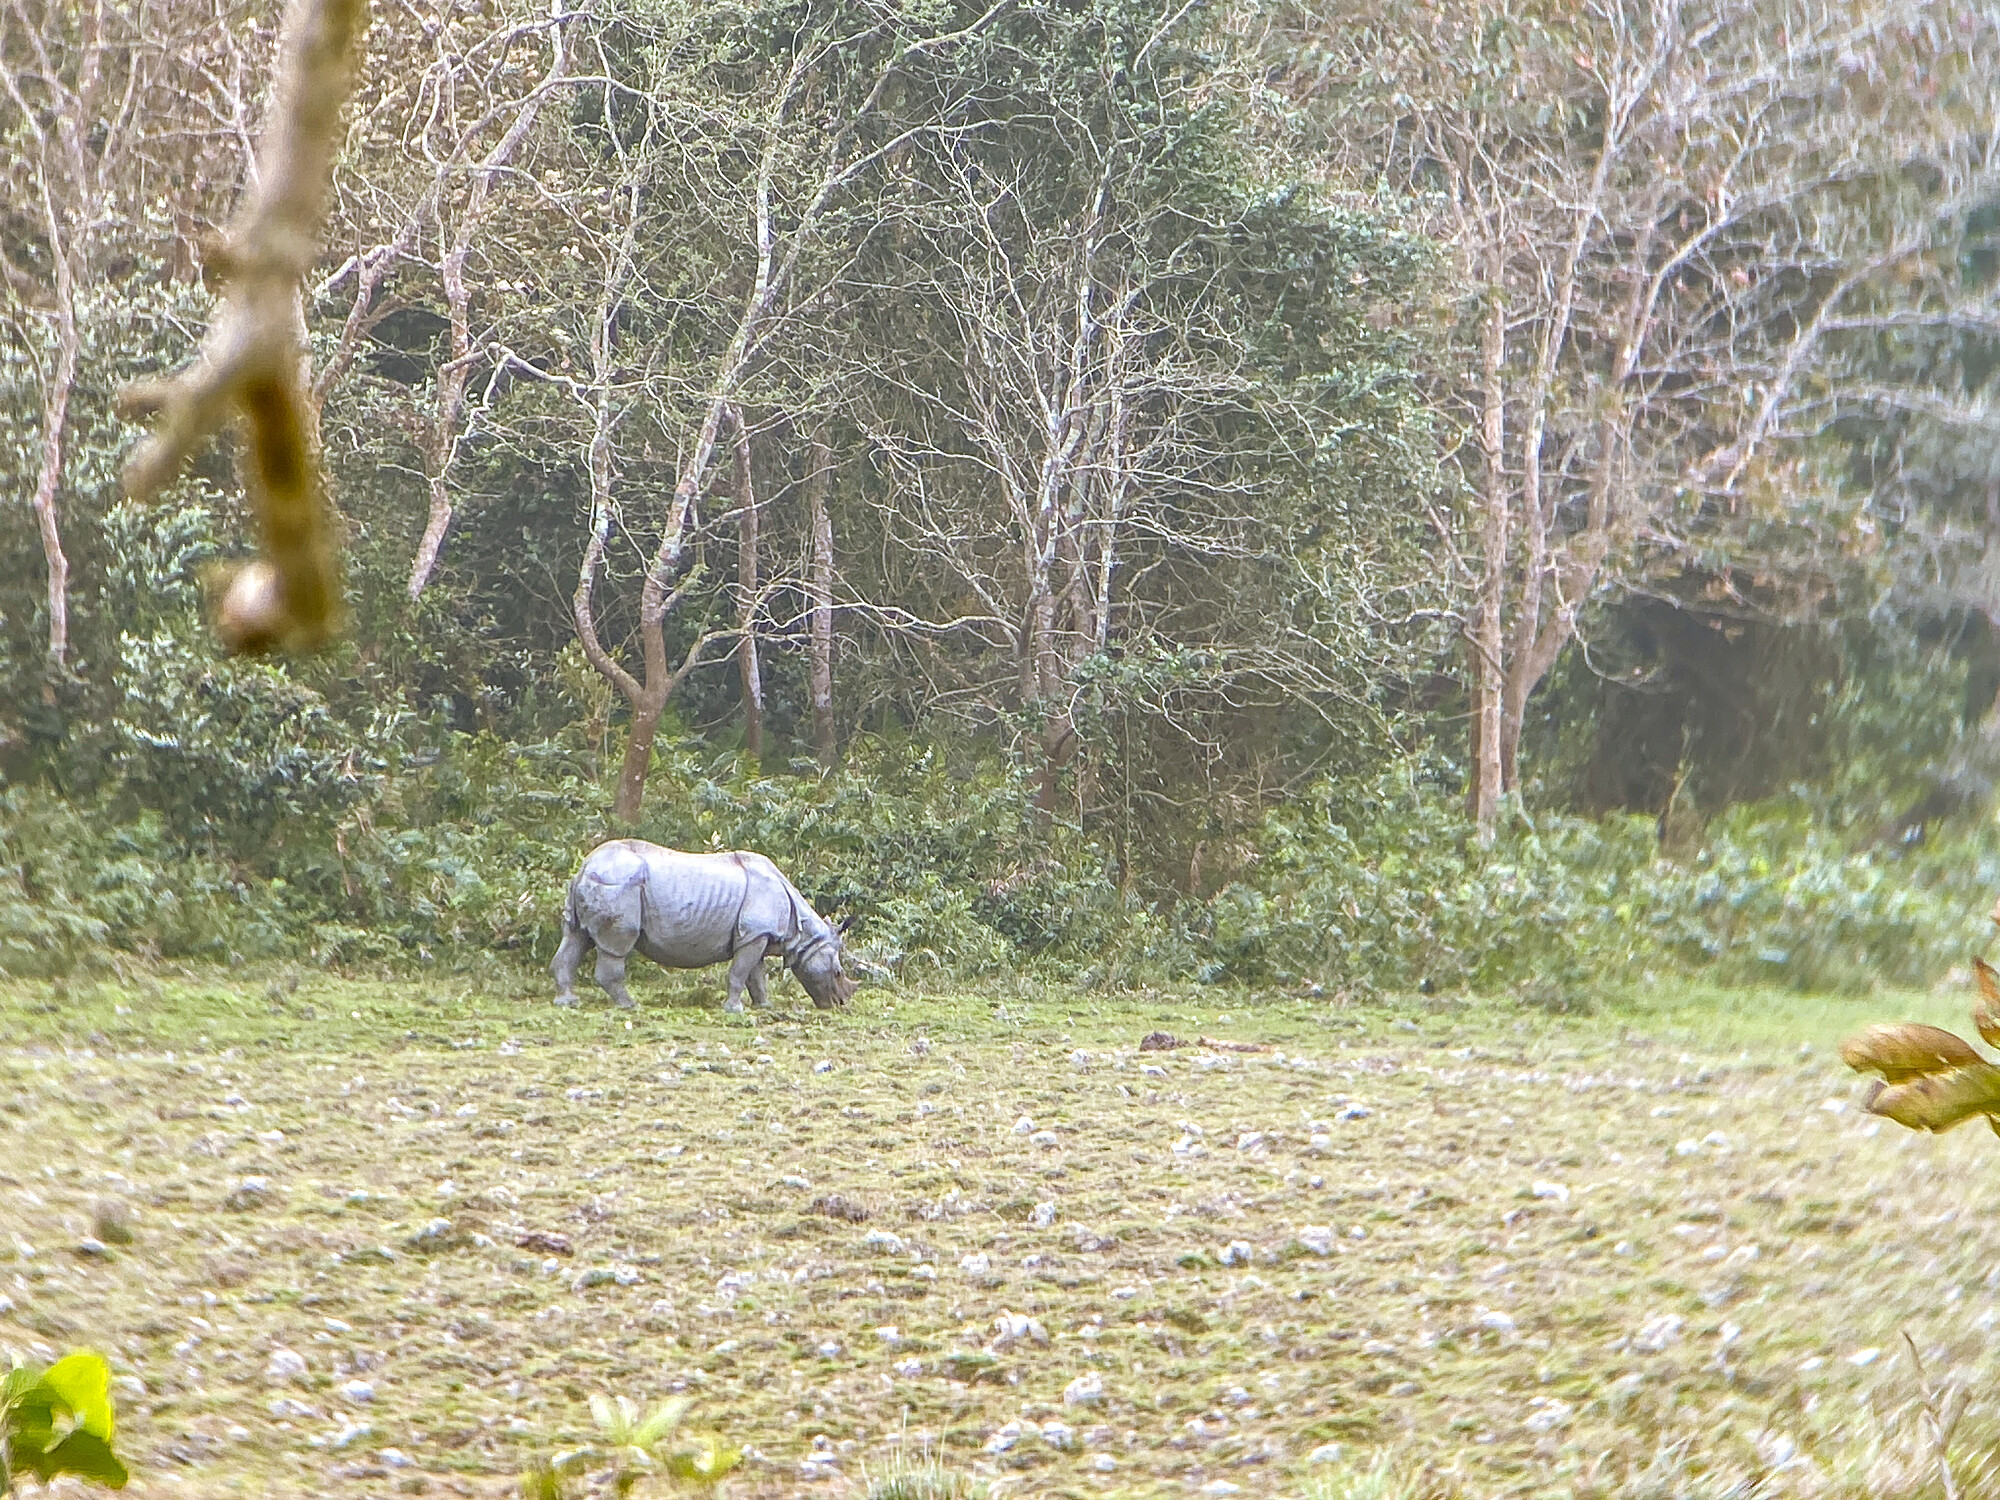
(1382, 495)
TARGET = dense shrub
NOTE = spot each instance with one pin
(456, 844)
(1400, 895)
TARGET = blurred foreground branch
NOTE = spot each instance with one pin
(253, 361)
(1930, 1078)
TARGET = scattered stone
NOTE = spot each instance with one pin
(91, 1247)
(1080, 1059)
(1325, 1453)
(836, 1207)
(582, 1095)
(395, 1458)
(1354, 1112)
(1012, 1328)
(1657, 1332)
(798, 1183)
(1104, 1463)
(1716, 1139)
(594, 1276)
(1004, 1438)
(1043, 1138)
(284, 1365)
(978, 1263)
(1059, 1434)
(823, 1066)
(1497, 1322)
(909, 1369)
(1834, 1106)
(545, 1242)
(1125, 1293)
(285, 1408)
(1024, 1126)
(1043, 1216)
(436, 1235)
(1554, 1190)
(1221, 1487)
(626, 1275)
(884, 1242)
(1251, 1140)
(358, 1390)
(1086, 1390)
(1689, 1147)
(831, 1349)
(1237, 1253)
(1861, 1359)
(1378, 1347)
(1159, 1041)
(349, 1434)
(1548, 1414)
(1317, 1238)
(889, 1334)
(1405, 1388)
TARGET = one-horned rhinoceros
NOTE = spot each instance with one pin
(687, 911)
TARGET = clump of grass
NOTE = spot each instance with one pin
(923, 1475)
(1383, 1479)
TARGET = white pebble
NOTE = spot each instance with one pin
(284, 1365)
(1024, 1126)
(1547, 1415)
(823, 1066)
(1043, 1216)
(1658, 1331)
(978, 1263)
(1086, 1390)
(1317, 1238)
(358, 1390)
(1553, 1190)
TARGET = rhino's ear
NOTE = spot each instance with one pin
(845, 923)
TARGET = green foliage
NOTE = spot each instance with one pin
(637, 1448)
(1389, 887)
(59, 1421)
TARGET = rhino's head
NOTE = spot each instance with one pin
(819, 970)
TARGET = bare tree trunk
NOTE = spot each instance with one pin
(441, 442)
(821, 585)
(48, 479)
(631, 794)
(746, 592)
(1486, 635)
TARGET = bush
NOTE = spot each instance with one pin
(1405, 896)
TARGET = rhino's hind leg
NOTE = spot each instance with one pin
(747, 968)
(575, 943)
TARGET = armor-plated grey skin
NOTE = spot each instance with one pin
(687, 911)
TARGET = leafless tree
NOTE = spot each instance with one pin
(1666, 214)
(83, 94)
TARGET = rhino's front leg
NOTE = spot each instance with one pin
(747, 968)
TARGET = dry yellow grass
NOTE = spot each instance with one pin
(1655, 1251)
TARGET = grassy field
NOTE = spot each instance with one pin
(1433, 1247)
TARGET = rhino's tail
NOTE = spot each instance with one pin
(572, 921)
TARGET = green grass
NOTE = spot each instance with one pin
(743, 1186)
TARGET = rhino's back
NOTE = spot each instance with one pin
(691, 906)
